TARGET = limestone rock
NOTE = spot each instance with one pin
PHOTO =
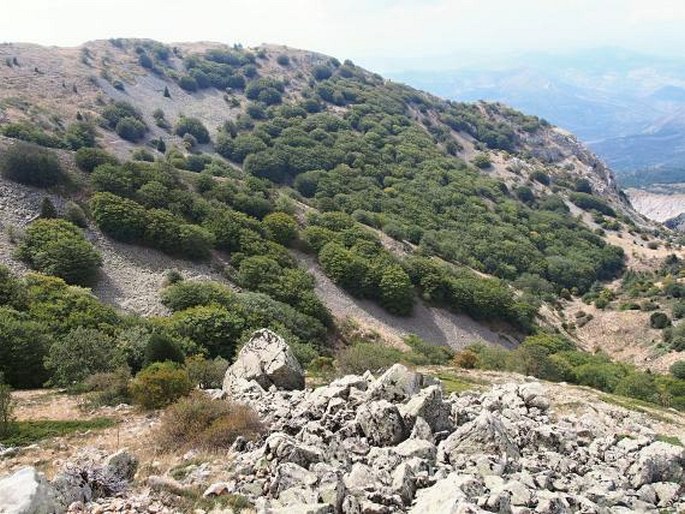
(267, 359)
(26, 492)
(381, 423)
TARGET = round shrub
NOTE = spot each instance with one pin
(283, 60)
(23, 346)
(194, 127)
(118, 217)
(31, 165)
(161, 348)
(130, 129)
(87, 159)
(677, 370)
(659, 320)
(280, 227)
(57, 247)
(159, 385)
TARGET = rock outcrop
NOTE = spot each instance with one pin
(397, 444)
(267, 360)
(26, 492)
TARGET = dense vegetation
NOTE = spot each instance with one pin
(552, 357)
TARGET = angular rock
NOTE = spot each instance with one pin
(26, 492)
(658, 462)
(429, 405)
(397, 384)
(267, 359)
(484, 435)
(453, 494)
(284, 448)
(381, 422)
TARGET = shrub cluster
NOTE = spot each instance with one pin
(31, 165)
(58, 247)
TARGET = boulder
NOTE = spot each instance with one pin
(658, 462)
(484, 435)
(26, 492)
(268, 360)
(397, 384)
(381, 423)
(455, 493)
(429, 405)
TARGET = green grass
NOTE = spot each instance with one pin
(650, 409)
(670, 439)
(458, 384)
(23, 433)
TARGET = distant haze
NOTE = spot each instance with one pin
(383, 35)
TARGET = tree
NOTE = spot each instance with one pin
(81, 353)
(280, 227)
(31, 165)
(396, 291)
(677, 369)
(6, 407)
(23, 346)
(47, 209)
(211, 327)
(161, 348)
(194, 127)
(659, 320)
(121, 218)
(130, 129)
(166, 92)
(58, 248)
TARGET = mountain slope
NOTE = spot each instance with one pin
(466, 191)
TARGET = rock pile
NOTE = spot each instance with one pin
(397, 444)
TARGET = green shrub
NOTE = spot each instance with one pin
(190, 293)
(677, 369)
(79, 135)
(424, 353)
(589, 202)
(31, 165)
(73, 213)
(23, 346)
(482, 161)
(30, 134)
(659, 320)
(58, 248)
(321, 72)
(12, 291)
(162, 348)
(679, 309)
(159, 385)
(206, 373)
(131, 129)
(283, 60)
(638, 385)
(202, 423)
(81, 353)
(211, 327)
(363, 356)
(118, 217)
(280, 227)
(194, 127)
(48, 209)
(396, 293)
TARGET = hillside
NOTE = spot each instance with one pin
(409, 207)
(625, 105)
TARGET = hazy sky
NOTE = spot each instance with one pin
(381, 34)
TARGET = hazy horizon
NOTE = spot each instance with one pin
(383, 35)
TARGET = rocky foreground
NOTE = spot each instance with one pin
(396, 443)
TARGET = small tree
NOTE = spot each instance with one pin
(280, 227)
(166, 92)
(194, 127)
(677, 369)
(80, 353)
(47, 209)
(659, 320)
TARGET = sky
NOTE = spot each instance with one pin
(383, 35)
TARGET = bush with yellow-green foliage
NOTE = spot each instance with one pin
(159, 385)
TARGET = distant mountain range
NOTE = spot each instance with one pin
(628, 107)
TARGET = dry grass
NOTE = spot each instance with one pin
(199, 422)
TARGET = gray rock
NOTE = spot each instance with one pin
(658, 462)
(381, 422)
(284, 448)
(421, 430)
(485, 434)
(397, 384)
(267, 359)
(429, 405)
(419, 448)
(26, 492)
(453, 494)
(121, 466)
(289, 475)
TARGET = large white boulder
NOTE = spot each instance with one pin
(268, 360)
(26, 492)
